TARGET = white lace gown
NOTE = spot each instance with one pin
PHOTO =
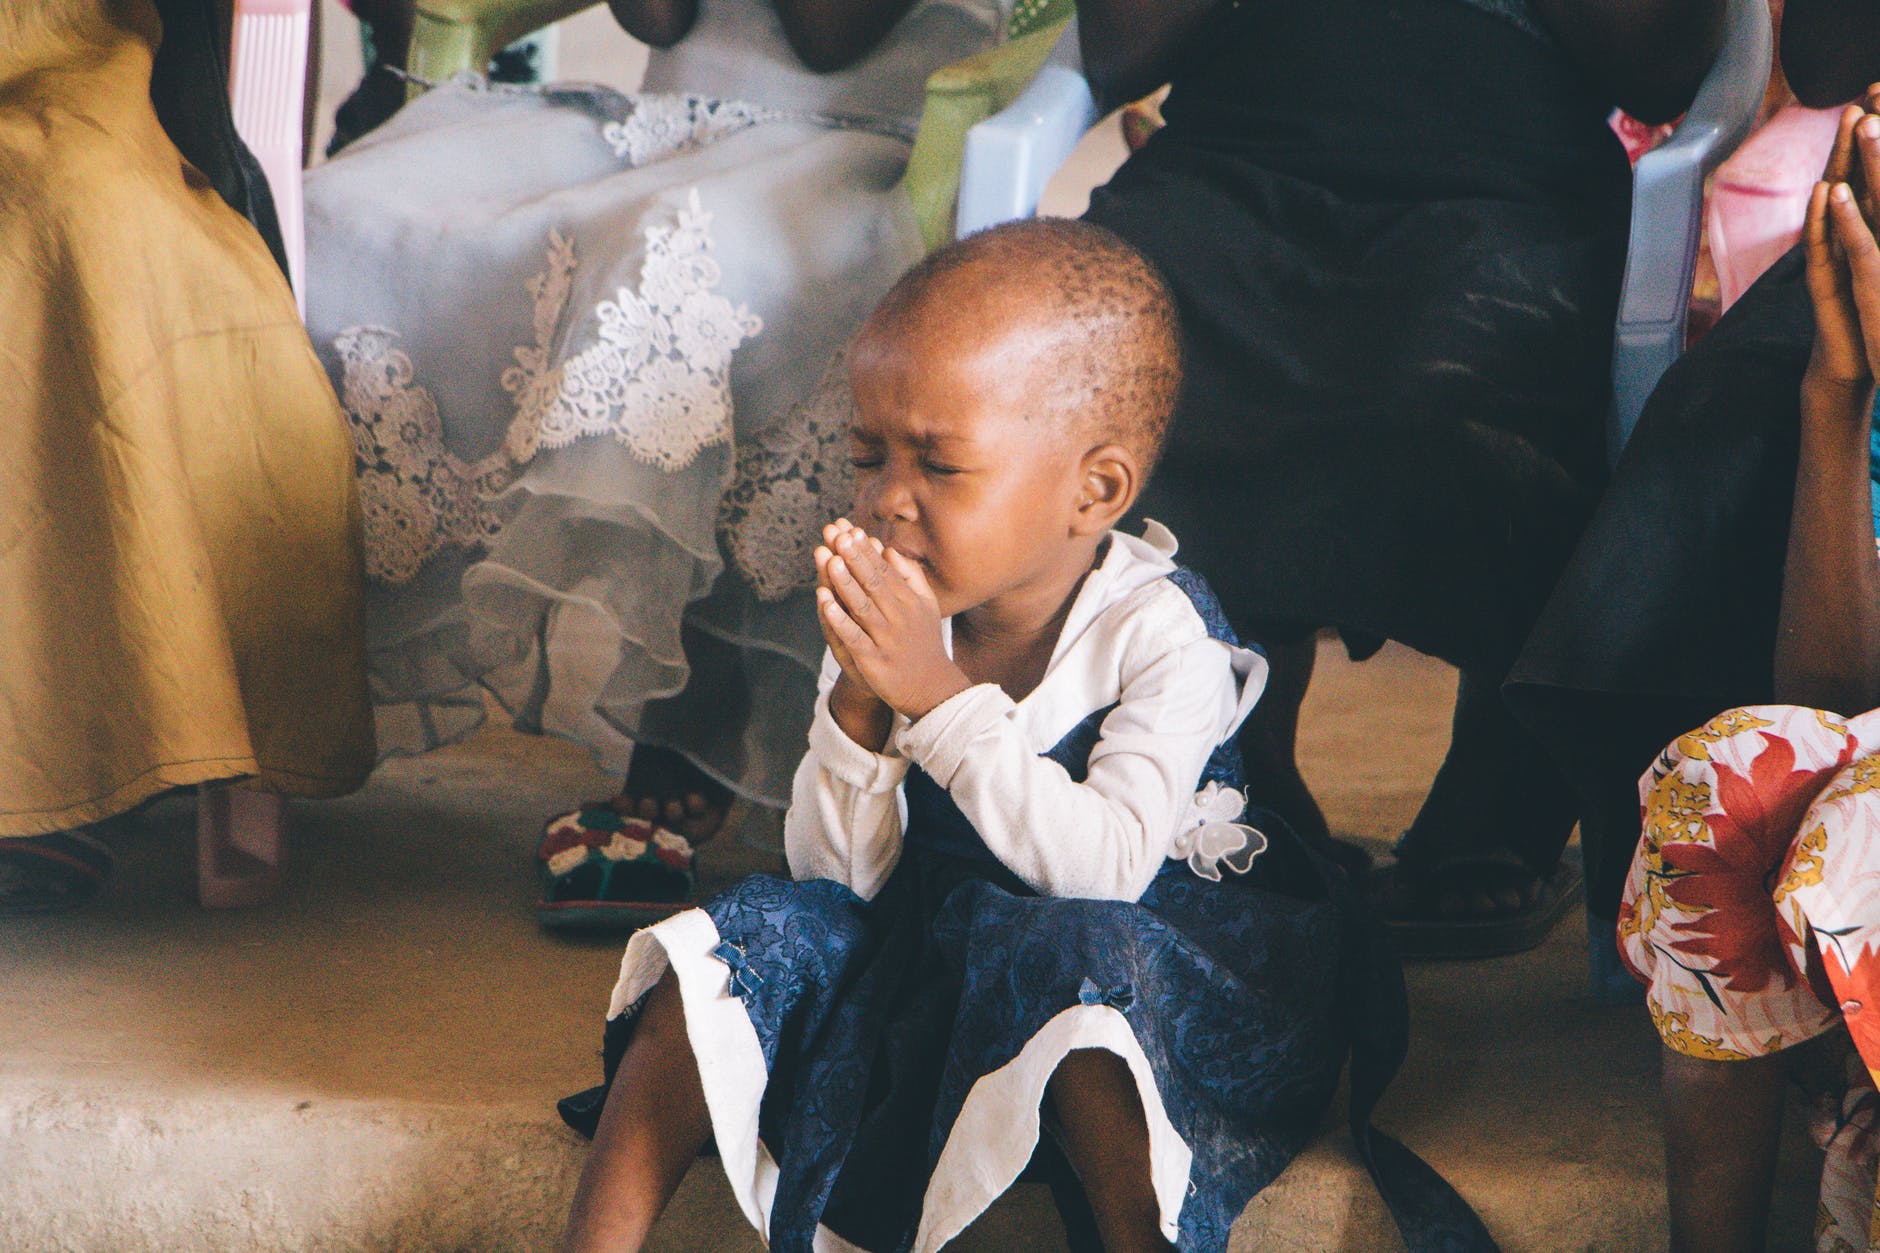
(588, 347)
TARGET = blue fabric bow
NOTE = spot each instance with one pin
(742, 982)
(1118, 998)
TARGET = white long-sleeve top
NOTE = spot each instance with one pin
(1134, 640)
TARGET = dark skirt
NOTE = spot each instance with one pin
(878, 1018)
(1396, 232)
(1666, 614)
(906, 1041)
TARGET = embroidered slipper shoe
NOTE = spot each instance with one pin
(604, 871)
(43, 874)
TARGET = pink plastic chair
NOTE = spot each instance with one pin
(1760, 195)
(267, 90)
(239, 833)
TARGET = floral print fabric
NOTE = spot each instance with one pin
(1753, 914)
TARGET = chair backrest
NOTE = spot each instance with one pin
(1008, 158)
(1667, 209)
(268, 96)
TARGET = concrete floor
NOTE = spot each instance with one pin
(370, 1062)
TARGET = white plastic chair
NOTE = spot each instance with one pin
(1010, 157)
(239, 833)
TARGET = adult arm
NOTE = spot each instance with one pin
(1828, 634)
(1130, 46)
(660, 23)
(1646, 56)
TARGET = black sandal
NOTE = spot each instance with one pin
(1408, 899)
(44, 874)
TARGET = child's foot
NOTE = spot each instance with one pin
(665, 788)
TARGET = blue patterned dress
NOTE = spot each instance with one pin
(897, 1047)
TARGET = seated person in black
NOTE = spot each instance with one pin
(1396, 235)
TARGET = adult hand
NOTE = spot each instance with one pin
(1844, 165)
(1843, 275)
(881, 608)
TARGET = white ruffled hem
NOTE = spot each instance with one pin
(730, 1059)
(990, 1143)
(997, 1129)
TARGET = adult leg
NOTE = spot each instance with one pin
(1106, 1138)
(1269, 740)
(1495, 820)
(652, 1127)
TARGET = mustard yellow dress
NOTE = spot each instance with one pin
(180, 564)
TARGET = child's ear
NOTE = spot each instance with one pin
(1107, 487)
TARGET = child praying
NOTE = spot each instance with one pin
(1032, 916)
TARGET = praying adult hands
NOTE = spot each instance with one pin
(1827, 652)
(882, 623)
(1843, 272)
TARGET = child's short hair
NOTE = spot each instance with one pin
(1111, 320)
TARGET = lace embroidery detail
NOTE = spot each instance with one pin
(662, 126)
(415, 494)
(657, 379)
(792, 480)
(659, 376)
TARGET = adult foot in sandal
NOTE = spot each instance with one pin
(662, 786)
(1479, 872)
(42, 874)
(1485, 887)
(1483, 905)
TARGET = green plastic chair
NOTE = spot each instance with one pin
(452, 36)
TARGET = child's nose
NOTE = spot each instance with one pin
(890, 501)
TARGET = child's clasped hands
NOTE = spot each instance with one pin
(883, 626)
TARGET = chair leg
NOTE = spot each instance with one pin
(239, 839)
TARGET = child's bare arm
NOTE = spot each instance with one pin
(831, 34)
(1828, 637)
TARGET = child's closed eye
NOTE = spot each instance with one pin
(941, 468)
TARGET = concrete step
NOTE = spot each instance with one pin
(370, 1062)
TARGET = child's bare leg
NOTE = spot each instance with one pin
(1722, 1123)
(1106, 1139)
(651, 1129)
